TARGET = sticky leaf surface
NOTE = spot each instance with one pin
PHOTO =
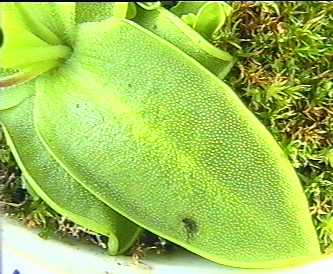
(56, 187)
(168, 145)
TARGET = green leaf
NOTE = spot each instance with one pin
(176, 152)
(131, 11)
(149, 5)
(190, 19)
(6, 72)
(13, 96)
(18, 77)
(186, 7)
(205, 17)
(35, 34)
(94, 12)
(57, 188)
(171, 28)
(210, 19)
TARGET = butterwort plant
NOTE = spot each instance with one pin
(119, 119)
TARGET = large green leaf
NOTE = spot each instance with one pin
(168, 26)
(165, 143)
(56, 187)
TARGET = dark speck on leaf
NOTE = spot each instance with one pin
(191, 227)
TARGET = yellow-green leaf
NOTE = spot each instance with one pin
(168, 145)
(56, 187)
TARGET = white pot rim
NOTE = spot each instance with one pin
(24, 252)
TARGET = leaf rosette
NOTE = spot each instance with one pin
(119, 119)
